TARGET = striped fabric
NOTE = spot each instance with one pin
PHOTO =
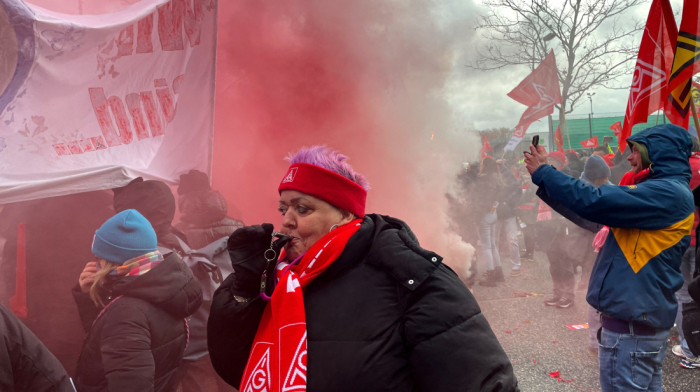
(139, 265)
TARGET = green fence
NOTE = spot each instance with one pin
(582, 128)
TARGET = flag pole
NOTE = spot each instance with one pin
(566, 127)
(695, 114)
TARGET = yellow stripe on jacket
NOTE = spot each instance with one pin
(640, 246)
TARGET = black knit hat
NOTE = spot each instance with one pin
(194, 181)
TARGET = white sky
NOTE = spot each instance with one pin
(479, 99)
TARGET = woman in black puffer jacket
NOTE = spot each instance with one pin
(357, 304)
(137, 340)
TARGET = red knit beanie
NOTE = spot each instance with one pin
(326, 185)
(559, 156)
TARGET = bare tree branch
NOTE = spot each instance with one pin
(587, 58)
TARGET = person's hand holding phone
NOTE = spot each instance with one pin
(536, 157)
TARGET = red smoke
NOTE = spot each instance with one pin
(362, 76)
(354, 75)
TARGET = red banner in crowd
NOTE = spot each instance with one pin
(485, 146)
(648, 92)
(617, 128)
(590, 143)
(540, 92)
(686, 63)
(559, 139)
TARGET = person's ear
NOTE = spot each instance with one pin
(347, 217)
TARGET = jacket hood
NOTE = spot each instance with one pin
(202, 208)
(669, 149)
(391, 245)
(170, 286)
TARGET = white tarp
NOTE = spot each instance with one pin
(90, 102)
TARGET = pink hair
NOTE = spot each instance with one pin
(329, 159)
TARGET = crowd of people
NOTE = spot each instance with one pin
(209, 304)
(626, 220)
(351, 298)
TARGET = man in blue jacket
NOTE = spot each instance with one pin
(637, 271)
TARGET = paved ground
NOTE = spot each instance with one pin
(538, 342)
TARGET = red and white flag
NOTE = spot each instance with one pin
(648, 92)
(540, 92)
(485, 147)
(617, 128)
(92, 101)
(686, 63)
(590, 143)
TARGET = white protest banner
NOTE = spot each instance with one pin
(90, 102)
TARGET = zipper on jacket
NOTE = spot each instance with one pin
(637, 243)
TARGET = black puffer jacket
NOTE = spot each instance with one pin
(137, 343)
(509, 198)
(488, 190)
(387, 315)
(204, 218)
(26, 365)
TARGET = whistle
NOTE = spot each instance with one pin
(281, 236)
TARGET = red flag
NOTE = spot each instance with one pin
(686, 63)
(592, 142)
(540, 92)
(648, 92)
(617, 128)
(485, 146)
(695, 93)
(559, 139)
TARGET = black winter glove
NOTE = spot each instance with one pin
(247, 247)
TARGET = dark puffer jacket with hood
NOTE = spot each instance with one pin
(137, 342)
(387, 315)
(204, 218)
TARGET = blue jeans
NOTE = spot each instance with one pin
(511, 227)
(487, 241)
(631, 362)
(687, 269)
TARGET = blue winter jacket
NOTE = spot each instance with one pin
(637, 271)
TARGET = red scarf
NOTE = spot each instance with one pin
(277, 361)
(632, 178)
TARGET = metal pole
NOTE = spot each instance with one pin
(550, 138)
(590, 126)
(562, 118)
